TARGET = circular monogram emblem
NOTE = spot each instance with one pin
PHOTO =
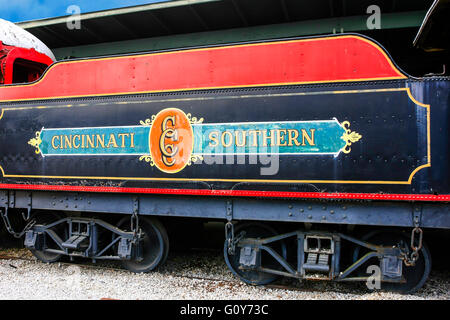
(171, 140)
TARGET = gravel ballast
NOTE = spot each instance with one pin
(196, 275)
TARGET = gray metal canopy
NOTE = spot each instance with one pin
(182, 23)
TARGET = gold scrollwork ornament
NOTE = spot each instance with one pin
(194, 158)
(194, 120)
(36, 142)
(148, 122)
(147, 158)
(349, 137)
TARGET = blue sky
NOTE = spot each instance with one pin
(24, 10)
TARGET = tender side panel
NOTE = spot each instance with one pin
(364, 138)
(346, 137)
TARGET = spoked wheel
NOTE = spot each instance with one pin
(415, 276)
(155, 245)
(254, 277)
(45, 219)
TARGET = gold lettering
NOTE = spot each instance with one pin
(293, 135)
(101, 140)
(132, 140)
(53, 142)
(244, 138)
(122, 136)
(255, 139)
(90, 142)
(214, 136)
(168, 150)
(230, 140)
(281, 138)
(266, 137)
(112, 141)
(68, 141)
(76, 146)
(308, 138)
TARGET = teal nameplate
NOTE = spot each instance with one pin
(173, 139)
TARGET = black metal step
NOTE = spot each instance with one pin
(317, 262)
(75, 242)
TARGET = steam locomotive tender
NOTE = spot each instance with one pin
(291, 143)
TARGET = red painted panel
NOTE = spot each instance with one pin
(327, 59)
(235, 193)
(9, 55)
